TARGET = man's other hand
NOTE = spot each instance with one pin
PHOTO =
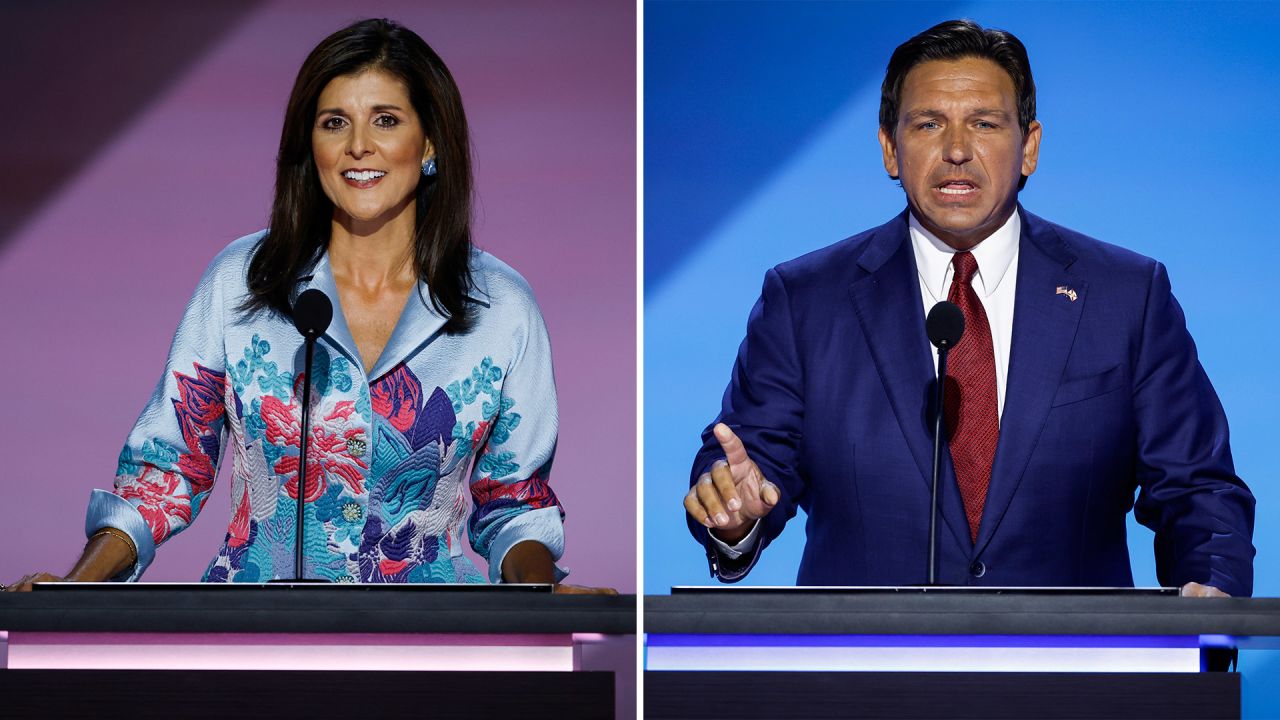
(1195, 589)
(734, 494)
(567, 589)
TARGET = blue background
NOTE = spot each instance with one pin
(1160, 134)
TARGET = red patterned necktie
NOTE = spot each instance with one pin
(972, 422)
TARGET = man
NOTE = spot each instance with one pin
(1074, 384)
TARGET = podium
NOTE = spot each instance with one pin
(195, 651)
(947, 652)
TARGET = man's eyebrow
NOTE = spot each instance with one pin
(925, 113)
(990, 112)
(979, 112)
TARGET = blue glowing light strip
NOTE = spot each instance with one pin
(929, 653)
(1047, 641)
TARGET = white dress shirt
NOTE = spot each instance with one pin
(996, 285)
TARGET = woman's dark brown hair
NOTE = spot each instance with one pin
(301, 213)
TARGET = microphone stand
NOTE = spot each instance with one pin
(312, 313)
(310, 343)
(943, 349)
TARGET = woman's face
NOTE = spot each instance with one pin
(369, 146)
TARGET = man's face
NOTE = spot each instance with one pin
(958, 148)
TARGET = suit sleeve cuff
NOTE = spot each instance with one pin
(744, 546)
(107, 509)
(542, 525)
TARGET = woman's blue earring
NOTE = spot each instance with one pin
(429, 167)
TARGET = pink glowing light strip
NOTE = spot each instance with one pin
(259, 651)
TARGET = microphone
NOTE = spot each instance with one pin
(312, 313)
(944, 326)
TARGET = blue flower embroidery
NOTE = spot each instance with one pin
(270, 381)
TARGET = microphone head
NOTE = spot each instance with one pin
(312, 313)
(944, 325)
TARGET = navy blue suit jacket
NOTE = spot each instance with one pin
(832, 390)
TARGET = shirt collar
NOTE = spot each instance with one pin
(994, 255)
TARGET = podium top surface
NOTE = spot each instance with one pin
(916, 611)
(723, 590)
(313, 608)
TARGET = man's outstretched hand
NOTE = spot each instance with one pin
(734, 494)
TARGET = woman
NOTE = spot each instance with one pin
(433, 378)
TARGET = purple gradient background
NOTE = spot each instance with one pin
(96, 272)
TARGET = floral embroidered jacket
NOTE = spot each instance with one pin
(392, 457)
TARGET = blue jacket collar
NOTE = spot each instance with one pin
(419, 321)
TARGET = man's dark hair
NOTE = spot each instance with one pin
(953, 40)
(301, 214)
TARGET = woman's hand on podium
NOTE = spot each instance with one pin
(530, 562)
(24, 585)
(104, 557)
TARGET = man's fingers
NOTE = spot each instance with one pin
(723, 480)
(710, 499)
(769, 493)
(694, 506)
(566, 589)
(733, 449)
(1195, 589)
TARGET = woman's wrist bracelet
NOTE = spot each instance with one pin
(123, 537)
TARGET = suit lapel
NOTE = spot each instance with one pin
(1044, 328)
(886, 299)
(420, 322)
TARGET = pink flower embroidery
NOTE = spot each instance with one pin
(535, 492)
(478, 435)
(199, 408)
(200, 402)
(328, 455)
(238, 532)
(198, 468)
(391, 567)
(159, 500)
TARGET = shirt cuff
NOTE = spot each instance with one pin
(106, 509)
(542, 525)
(744, 546)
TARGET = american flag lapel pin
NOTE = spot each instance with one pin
(1064, 290)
